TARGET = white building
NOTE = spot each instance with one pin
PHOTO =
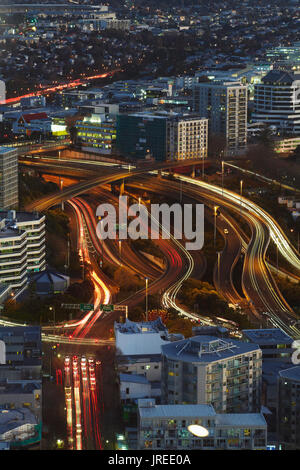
(277, 101)
(165, 427)
(138, 350)
(22, 246)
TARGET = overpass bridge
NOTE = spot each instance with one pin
(118, 172)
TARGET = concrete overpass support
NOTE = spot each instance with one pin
(122, 187)
(193, 173)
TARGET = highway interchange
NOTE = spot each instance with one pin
(260, 298)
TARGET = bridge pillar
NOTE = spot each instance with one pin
(193, 171)
(159, 173)
(122, 187)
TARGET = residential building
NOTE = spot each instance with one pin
(277, 103)
(162, 135)
(224, 104)
(138, 351)
(23, 346)
(225, 373)
(166, 427)
(22, 246)
(9, 190)
(288, 411)
(19, 428)
(274, 343)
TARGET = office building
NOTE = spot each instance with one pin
(23, 346)
(274, 343)
(22, 246)
(276, 101)
(165, 427)
(224, 104)
(288, 411)
(97, 133)
(162, 136)
(9, 191)
(225, 373)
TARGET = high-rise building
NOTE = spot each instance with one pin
(162, 135)
(22, 246)
(225, 106)
(288, 410)
(2, 92)
(223, 372)
(167, 427)
(277, 101)
(9, 191)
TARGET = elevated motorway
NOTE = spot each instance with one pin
(117, 173)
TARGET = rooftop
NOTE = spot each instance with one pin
(268, 336)
(293, 373)
(207, 349)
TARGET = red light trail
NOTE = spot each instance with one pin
(63, 86)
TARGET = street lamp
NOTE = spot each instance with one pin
(215, 223)
(241, 192)
(53, 309)
(120, 251)
(219, 259)
(222, 177)
(146, 280)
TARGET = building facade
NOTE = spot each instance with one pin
(163, 136)
(210, 370)
(9, 190)
(277, 101)
(224, 104)
(166, 427)
(22, 247)
(288, 410)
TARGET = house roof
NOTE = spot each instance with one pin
(33, 117)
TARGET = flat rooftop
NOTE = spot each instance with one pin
(293, 373)
(206, 349)
(268, 336)
(130, 327)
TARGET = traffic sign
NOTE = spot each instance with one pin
(71, 306)
(86, 307)
(107, 308)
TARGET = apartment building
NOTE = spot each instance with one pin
(9, 191)
(277, 101)
(224, 104)
(167, 427)
(225, 373)
(162, 135)
(22, 246)
(288, 410)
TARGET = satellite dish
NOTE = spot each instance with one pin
(198, 431)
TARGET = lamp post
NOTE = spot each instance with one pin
(222, 177)
(219, 260)
(215, 223)
(146, 280)
(241, 193)
(53, 309)
(120, 251)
